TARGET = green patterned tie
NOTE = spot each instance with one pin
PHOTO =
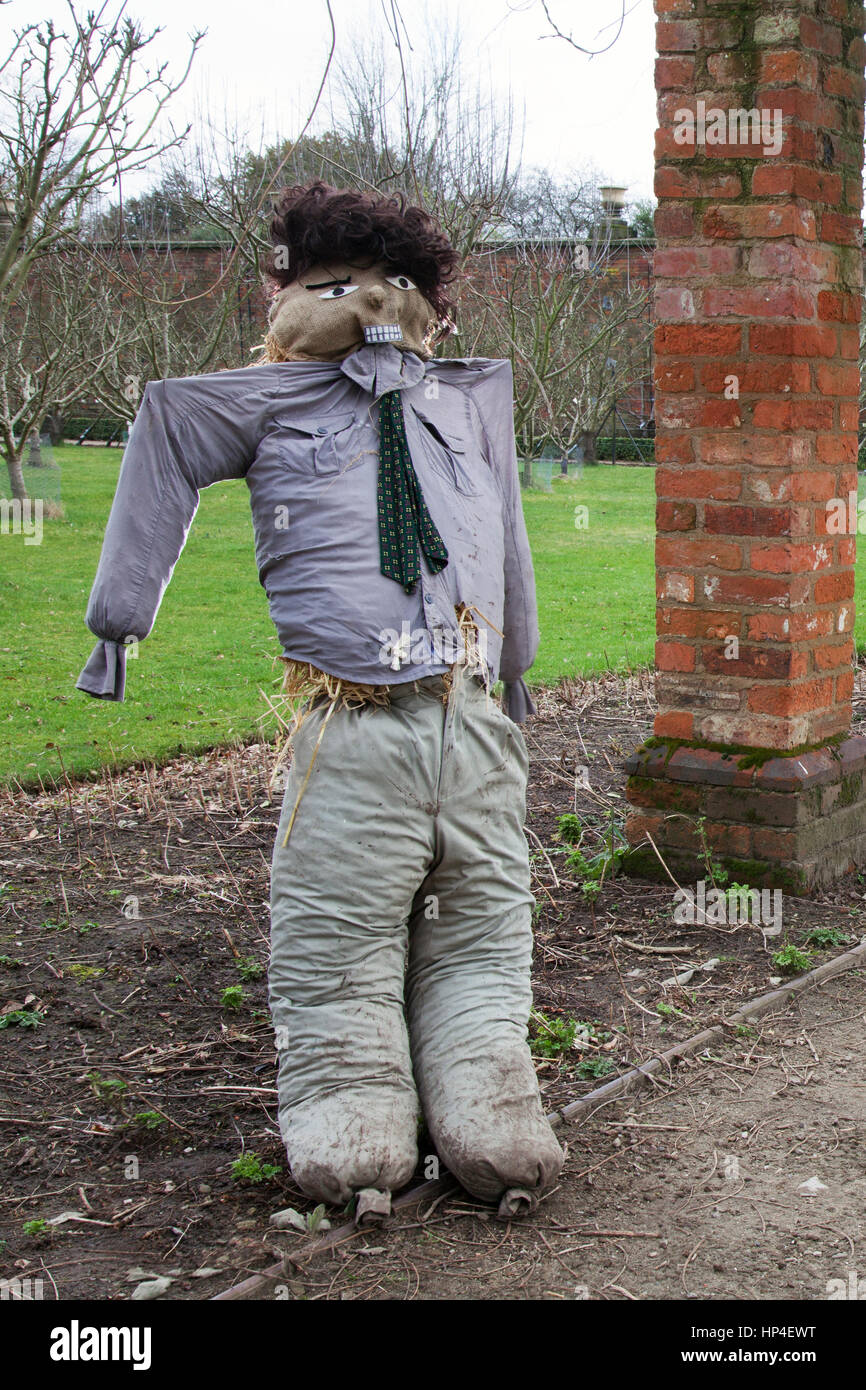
(404, 520)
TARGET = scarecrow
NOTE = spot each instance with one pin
(391, 544)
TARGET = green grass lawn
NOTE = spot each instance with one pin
(196, 681)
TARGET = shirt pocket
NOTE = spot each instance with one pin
(447, 450)
(321, 446)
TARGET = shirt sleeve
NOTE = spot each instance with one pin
(493, 398)
(188, 434)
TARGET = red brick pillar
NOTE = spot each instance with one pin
(758, 269)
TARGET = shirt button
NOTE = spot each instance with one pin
(322, 429)
(428, 598)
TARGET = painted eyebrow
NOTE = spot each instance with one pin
(323, 284)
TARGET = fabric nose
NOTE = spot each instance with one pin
(375, 297)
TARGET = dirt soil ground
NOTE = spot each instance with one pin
(137, 1060)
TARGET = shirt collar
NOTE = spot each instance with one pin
(381, 368)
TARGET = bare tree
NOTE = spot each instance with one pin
(43, 339)
(548, 293)
(78, 111)
(155, 321)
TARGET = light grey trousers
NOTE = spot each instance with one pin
(401, 947)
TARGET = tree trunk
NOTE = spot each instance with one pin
(34, 458)
(586, 439)
(16, 478)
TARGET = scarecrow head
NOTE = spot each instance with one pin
(354, 268)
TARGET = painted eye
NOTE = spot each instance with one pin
(338, 291)
(402, 282)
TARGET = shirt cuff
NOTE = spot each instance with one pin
(517, 700)
(104, 676)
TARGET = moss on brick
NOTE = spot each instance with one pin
(746, 755)
(851, 789)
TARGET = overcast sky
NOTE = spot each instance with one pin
(263, 60)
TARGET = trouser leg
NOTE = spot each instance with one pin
(341, 893)
(468, 985)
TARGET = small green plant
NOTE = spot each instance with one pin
(605, 862)
(107, 1087)
(733, 891)
(35, 1228)
(791, 960)
(22, 1018)
(147, 1119)
(743, 1030)
(824, 938)
(249, 968)
(668, 1011)
(592, 1068)
(249, 1168)
(85, 972)
(569, 829)
(591, 888)
(716, 872)
(11, 962)
(553, 1037)
(316, 1220)
(232, 997)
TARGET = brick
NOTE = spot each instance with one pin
(677, 37)
(787, 415)
(842, 228)
(674, 724)
(672, 447)
(716, 483)
(683, 553)
(791, 699)
(826, 39)
(835, 380)
(788, 627)
(674, 656)
(831, 655)
(662, 795)
(790, 558)
(841, 308)
(675, 516)
(836, 448)
(796, 181)
(754, 590)
(813, 486)
(673, 221)
(680, 587)
(787, 65)
(703, 340)
(698, 622)
(769, 301)
(717, 413)
(673, 261)
(792, 340)
(674, 73)
(755, 662)
(830, 588)
(674, 376)
(807, 265)
(744, 220)
(750, 521)
(764, 377)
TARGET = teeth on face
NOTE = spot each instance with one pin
(382, 333)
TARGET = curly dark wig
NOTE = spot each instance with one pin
(314, 224)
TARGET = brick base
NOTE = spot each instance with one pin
(794, 823)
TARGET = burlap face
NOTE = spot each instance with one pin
(317, 319)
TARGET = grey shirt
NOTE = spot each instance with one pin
(305, 437)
